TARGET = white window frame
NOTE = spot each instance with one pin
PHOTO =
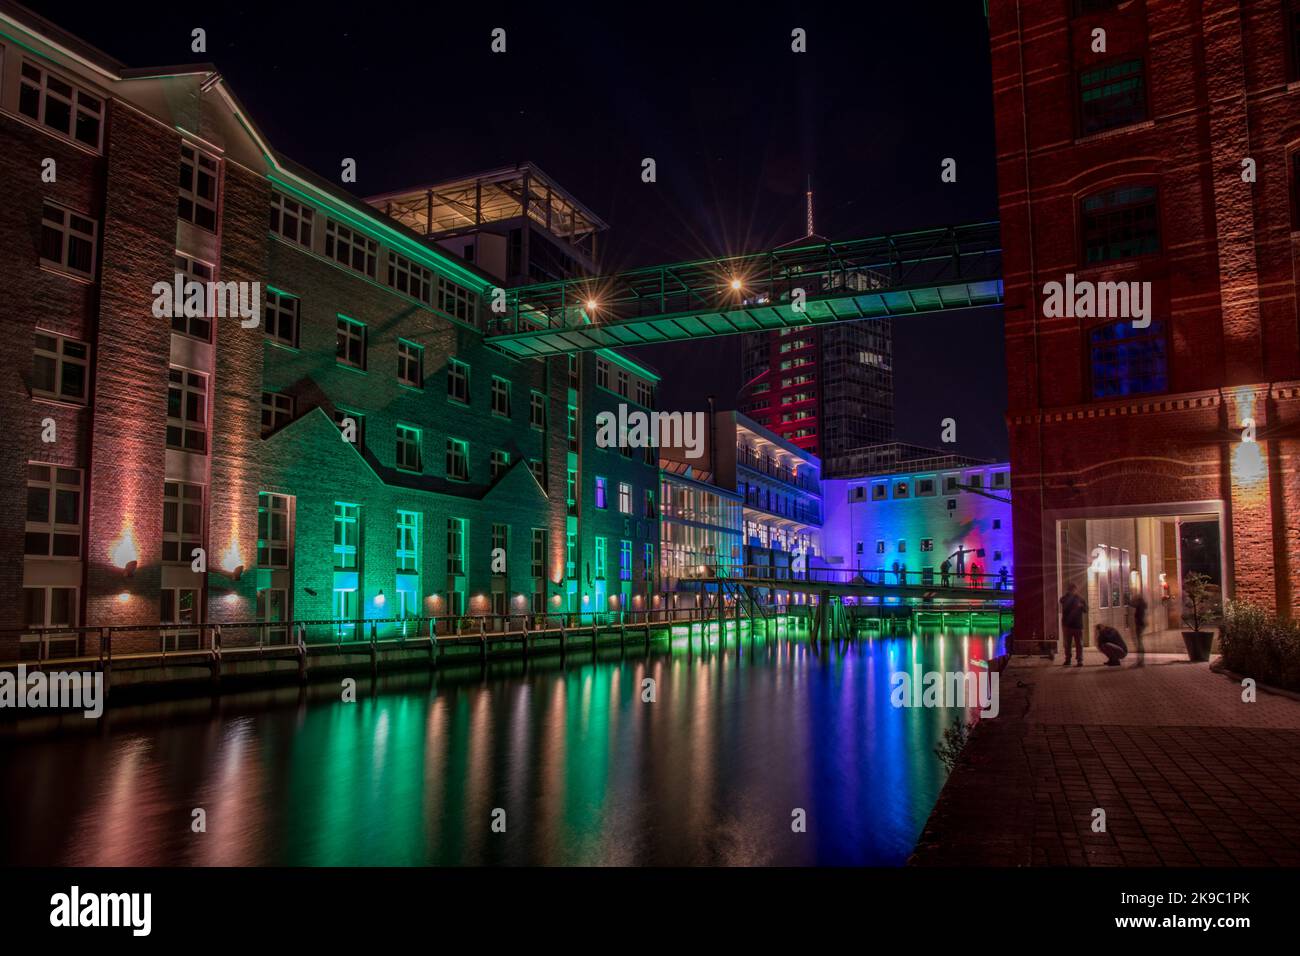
(346, 246)
(204, 171)
(190, 383)
(290, 219)
(346, 332)
(78, 103)
(197, 270)
(279, 308)
(410, 364)
(279, 408)
(500, 396)
(274, 506)
(69, 230)
(408, 455)
(178, 544)
(61, 359)
(53, 484)
(457, 454)
(410, 278)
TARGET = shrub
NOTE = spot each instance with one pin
(1257, 643)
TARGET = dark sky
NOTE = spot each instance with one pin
(733, 119)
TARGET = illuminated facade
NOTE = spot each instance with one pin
(355, 450)
(1147, 446)
(919, 516)
(699, 528)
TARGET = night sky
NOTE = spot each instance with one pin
(733, 119)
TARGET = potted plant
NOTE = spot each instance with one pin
(1201, 599)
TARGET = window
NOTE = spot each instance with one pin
(458, 381)
(499, 463)
(537, 562)
(182, 521)
(181, 606)
(927, 544)
(650, 503)
(1120, 223)
(500, 544)
(60, 368)
(1128, 361)
(538, 468)
(277, 411)
(625, 560)
(408, 541)
(925, 486)
(49, 607)
(975, 480)
(347, 532)
(272, 530)
(879, 491)
(68, 240)
(281, 317)
(572, 428)
(901, 489)
(196, 326)
(951, 484)
(53, 512)
(350, 343)
(455, 545)
(350, 248)
(64, 108)
(455, 301)
(997, 524)
(197, 202)
(410, 364)
(622, 379)
(1111, 95)
(343, 418)
(624, 498)
(408, 448)
(570, 555)
(292, 220)
(649, 556)
(600, 493)
(880, 547)
(537, 410)
(573, 371)
(999, 479)
(500, 397)
(571, 490)
(457, 459)
(602, 373)
(600, 558)
(902, 546)
(859, 547)
(410, 278)
(187, 410)
(644, 393)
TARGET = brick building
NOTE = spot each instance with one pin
(1150, 143)
(359, 451)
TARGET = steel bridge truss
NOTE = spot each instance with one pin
(955, 267)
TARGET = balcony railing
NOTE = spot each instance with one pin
(769, 466)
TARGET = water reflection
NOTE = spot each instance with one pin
(584, 771)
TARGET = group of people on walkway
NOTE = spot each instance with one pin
(1109, 640)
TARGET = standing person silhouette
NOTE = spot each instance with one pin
(1072, 608)
(1139, 625)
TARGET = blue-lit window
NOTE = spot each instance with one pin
(1120, 224)
(1128, 361)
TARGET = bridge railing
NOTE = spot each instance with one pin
(880, 577)
(896, 262)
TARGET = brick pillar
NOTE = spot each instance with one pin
(1251, 501)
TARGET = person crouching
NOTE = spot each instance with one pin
(1111, 643)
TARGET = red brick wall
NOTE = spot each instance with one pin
(1224, 280)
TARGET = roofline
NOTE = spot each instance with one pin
(775, 439)
(501, 172)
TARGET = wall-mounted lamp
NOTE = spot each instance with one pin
(129, 569)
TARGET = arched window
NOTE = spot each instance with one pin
(1119, 223)
(1128, 361)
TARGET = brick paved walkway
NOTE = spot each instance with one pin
(1187, 773)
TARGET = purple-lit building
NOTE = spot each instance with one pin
(920, 512)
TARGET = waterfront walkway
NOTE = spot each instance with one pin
(1187, 773)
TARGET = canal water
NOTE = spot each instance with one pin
(566, 755)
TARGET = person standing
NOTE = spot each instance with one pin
(944, 568)
(1072, 608)
(1139, 625)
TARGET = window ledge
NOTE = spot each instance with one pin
(1117, 131)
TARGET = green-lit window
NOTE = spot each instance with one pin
(500, 396)
(458, 381)
(625, 560)
(273, 513)
(499, 463)
(600, 558)
(649, 557)
(455, 545)
(538, 557)
(410, 364)
(538, 468)
(350, 343)
(457, 459)
(573, 428)
(570, 556)
(408, 541)
(408, 448)
(1111, 95)
(280, 317)
(500, 545)
(571, 491)
(347, 532)
(350, 248)
(537, 410)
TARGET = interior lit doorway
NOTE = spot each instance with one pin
(1112, 558)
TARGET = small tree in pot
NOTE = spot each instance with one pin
(1201, 600)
